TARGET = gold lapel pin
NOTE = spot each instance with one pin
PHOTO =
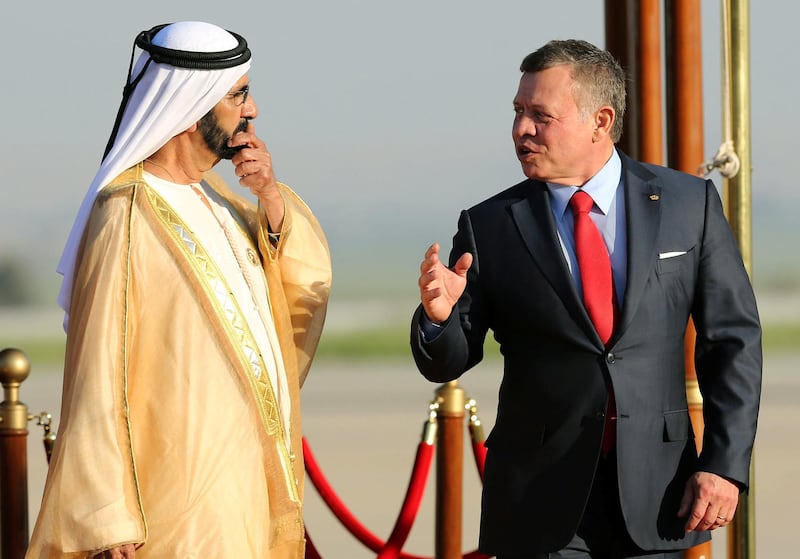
(654, 197)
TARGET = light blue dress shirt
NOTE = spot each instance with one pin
(608, 215)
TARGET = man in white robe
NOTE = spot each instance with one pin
(192, 317)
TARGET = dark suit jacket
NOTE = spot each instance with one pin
(544, 447)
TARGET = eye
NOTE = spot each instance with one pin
(239, 97)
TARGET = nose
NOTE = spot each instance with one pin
(523, 126)
(249, 108)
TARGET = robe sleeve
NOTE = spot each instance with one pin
(91, 501)
(300, 267)
(298, 271)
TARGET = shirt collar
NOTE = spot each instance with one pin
(601, 187)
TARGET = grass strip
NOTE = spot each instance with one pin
(380, 342)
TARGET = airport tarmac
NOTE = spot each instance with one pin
(363, 421)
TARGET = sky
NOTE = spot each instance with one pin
(388, 118)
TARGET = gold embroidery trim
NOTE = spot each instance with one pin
(236, 327)
(227, 308)
(126, 401)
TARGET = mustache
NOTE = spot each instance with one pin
(242, 127)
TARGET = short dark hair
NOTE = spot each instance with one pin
(599, 79)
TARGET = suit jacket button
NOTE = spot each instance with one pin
(610, 358)
(600, 415)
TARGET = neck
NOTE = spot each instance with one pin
(159, 170)
(596, 164)
(182, 160)
(169, 166)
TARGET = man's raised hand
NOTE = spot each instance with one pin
(439, 286)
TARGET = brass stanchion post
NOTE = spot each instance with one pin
(449, 470)
(738, 209)
(14, 368)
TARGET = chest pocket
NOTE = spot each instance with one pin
(670, 263)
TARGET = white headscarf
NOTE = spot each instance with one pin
(166, 102)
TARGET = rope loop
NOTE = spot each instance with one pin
(725, 161)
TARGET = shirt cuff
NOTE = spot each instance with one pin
(429, 329)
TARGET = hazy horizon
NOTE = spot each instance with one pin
(386, 118)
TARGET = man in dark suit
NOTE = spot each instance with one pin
(592, 453)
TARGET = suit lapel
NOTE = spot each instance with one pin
(534, 219)
(643, 212)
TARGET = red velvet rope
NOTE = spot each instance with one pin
(479, 452)
(416, 489)
(340, 510)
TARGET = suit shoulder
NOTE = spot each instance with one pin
(673, 175)
(675, 186)
(505, 198)
(667, 176)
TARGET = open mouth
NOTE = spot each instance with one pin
(525, 151)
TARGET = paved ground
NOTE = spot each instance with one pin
(364, 420)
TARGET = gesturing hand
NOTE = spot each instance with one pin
(440, 287)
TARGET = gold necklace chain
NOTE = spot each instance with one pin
(162, 167)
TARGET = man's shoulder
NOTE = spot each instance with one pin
(509, 196)
(122, 185)
(665, 175)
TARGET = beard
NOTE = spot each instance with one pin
(216, 138)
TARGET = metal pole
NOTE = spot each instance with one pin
(633, 36)
(739, 199)
(648, 83)
(14, 368)
(685, 153)
(449, 470)
(738, 206)
(622, 37)
(684, 85)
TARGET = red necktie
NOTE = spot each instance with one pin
(598, 287)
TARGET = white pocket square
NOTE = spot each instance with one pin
(663, 255)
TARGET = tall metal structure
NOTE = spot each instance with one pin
(738, 207)
(633, 35)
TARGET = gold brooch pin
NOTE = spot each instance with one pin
(655, 197)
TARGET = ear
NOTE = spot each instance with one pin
(193, 127)
(603, 121)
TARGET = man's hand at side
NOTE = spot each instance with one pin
(127, 551)
(709, 501)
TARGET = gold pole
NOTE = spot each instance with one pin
(450, 470)
(14, 368)
(739, 188)
(738, 207)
